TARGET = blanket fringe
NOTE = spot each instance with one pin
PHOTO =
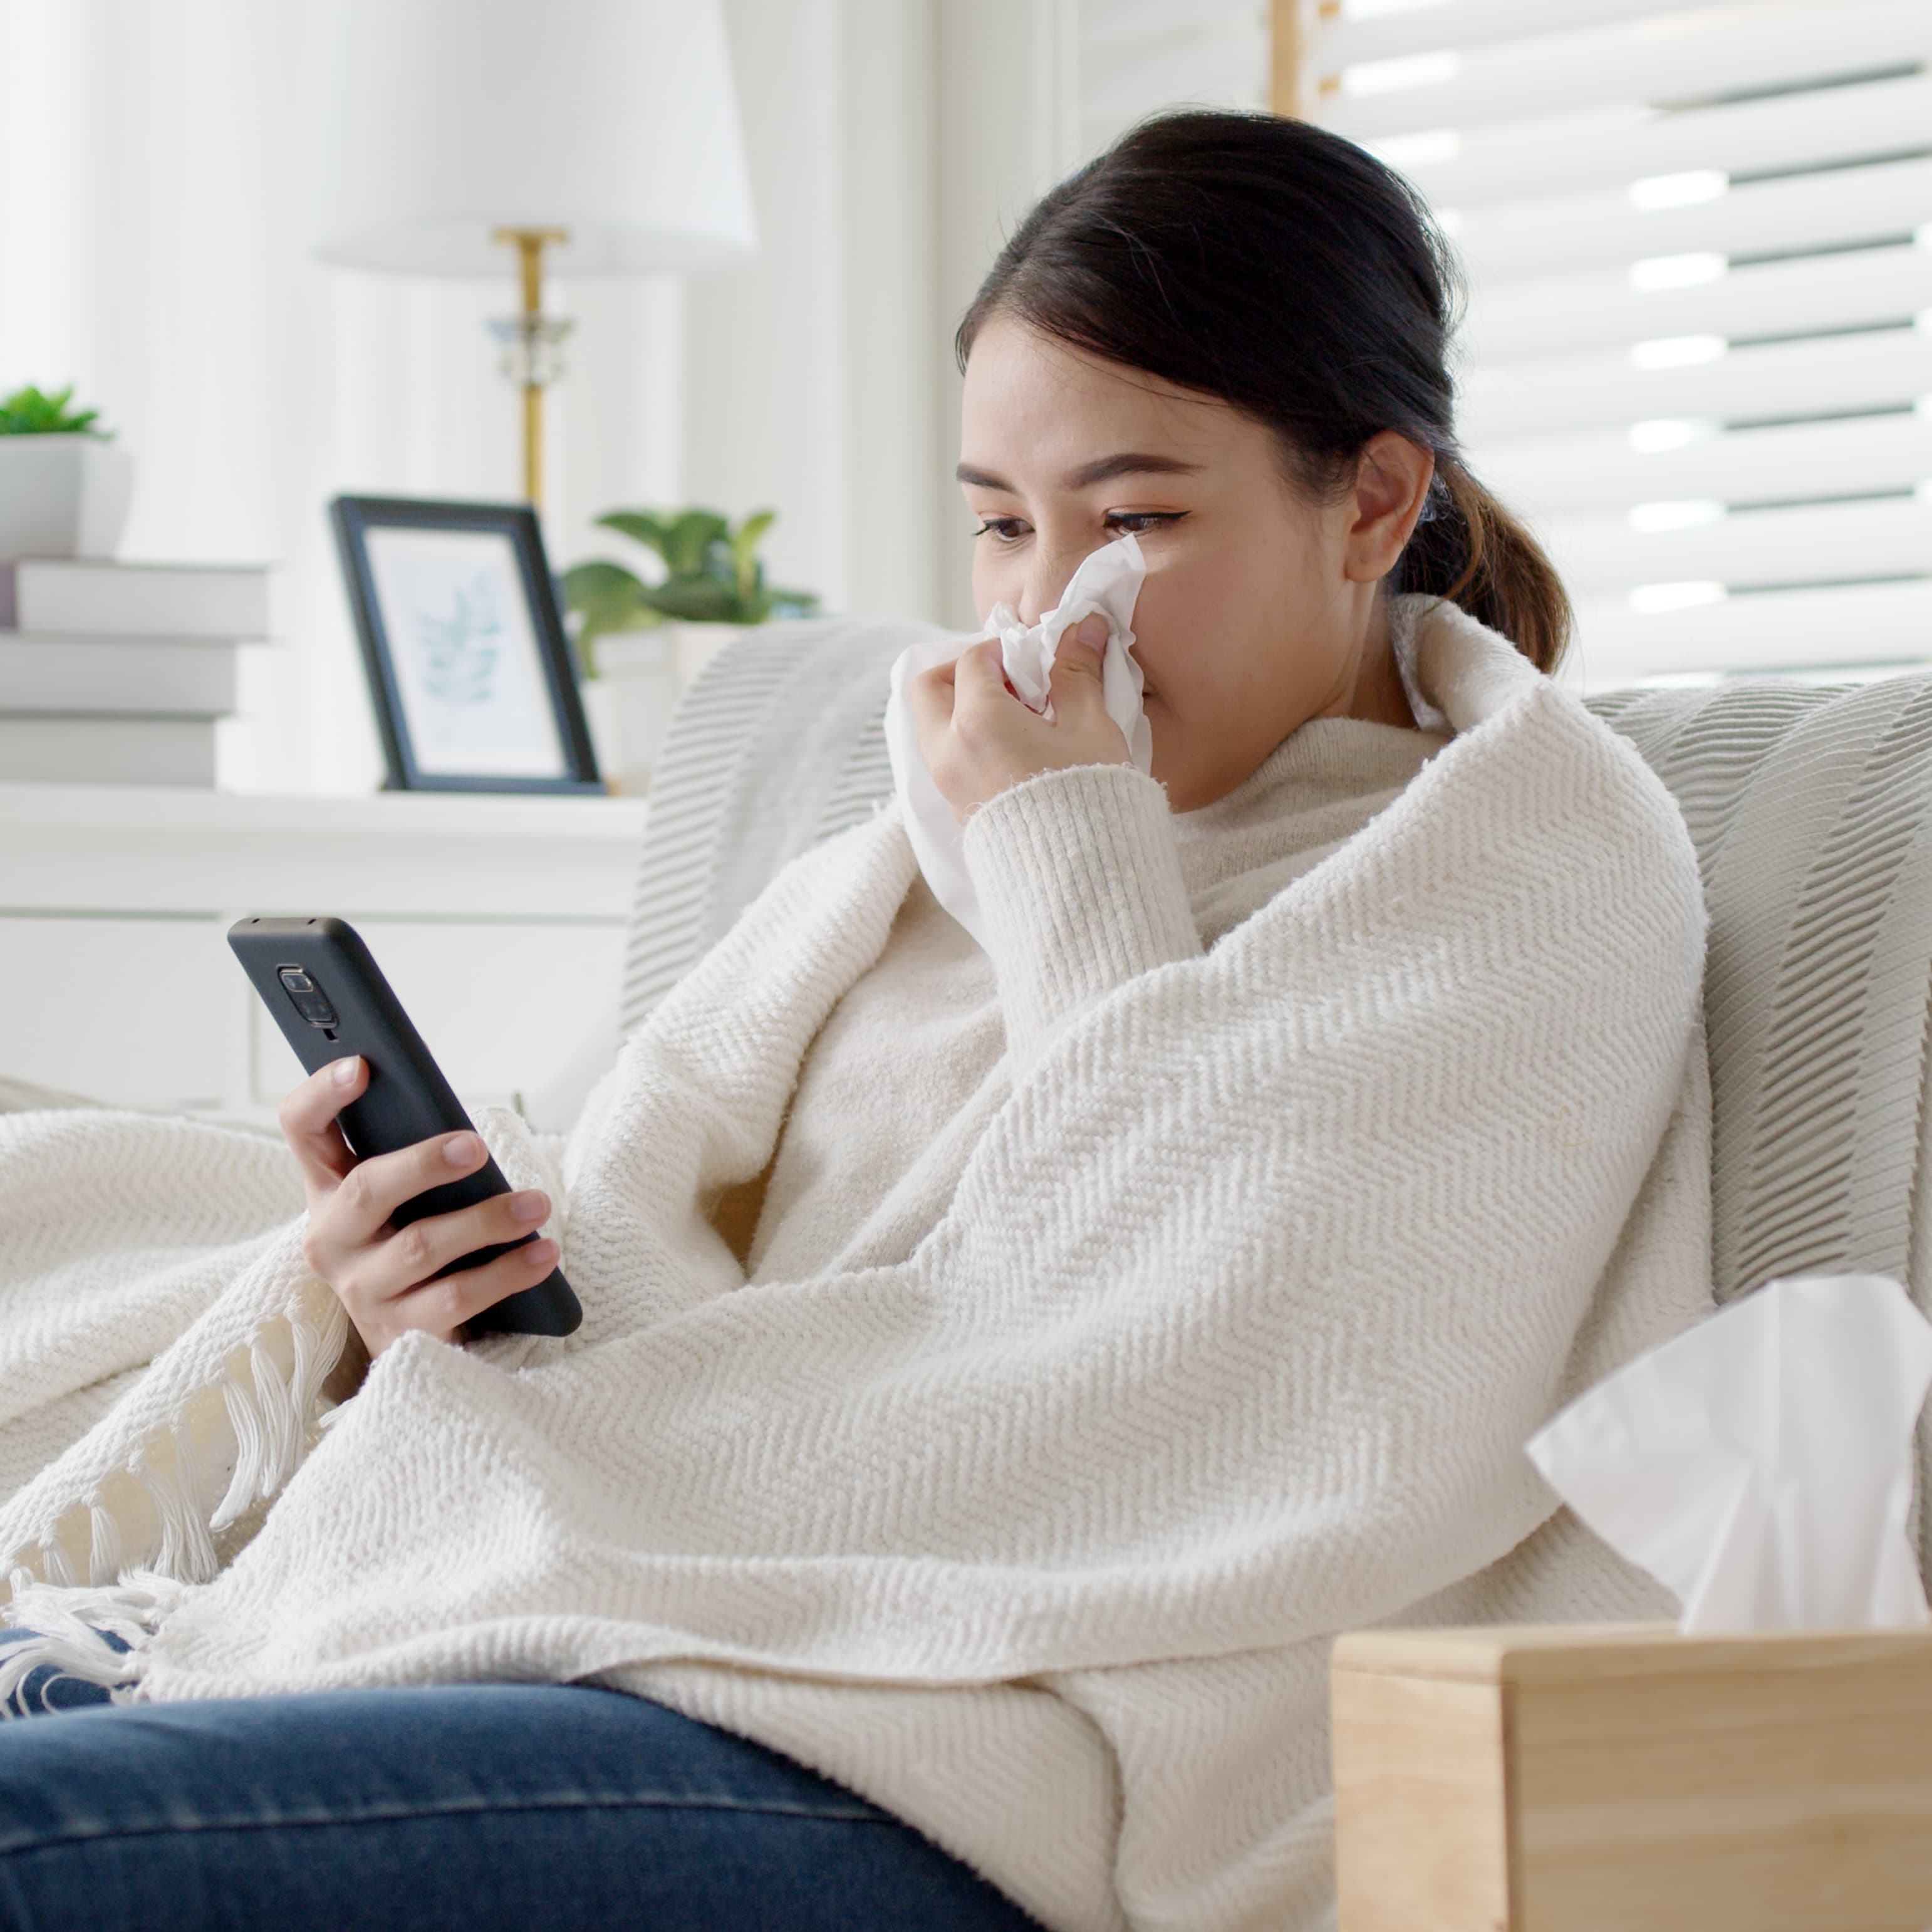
(97, 1636)
(103, 1559)
(270, 1418)
(245, 1423)
(268, 1411)
(198, 1560)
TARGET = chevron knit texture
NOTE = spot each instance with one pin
(1227, 1338)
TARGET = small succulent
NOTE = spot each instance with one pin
(28, 412)
(711, 576)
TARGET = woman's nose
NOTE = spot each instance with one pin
(1045, 585)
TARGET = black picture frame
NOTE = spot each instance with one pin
(439, 687)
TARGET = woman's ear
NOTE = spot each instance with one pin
(1392, 480)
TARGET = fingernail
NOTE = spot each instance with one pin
(344, 1071)
(463, 1150)
(541, 1254)
(1093, 630)
(531, 1207)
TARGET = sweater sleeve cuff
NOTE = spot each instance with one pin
(1079, 883)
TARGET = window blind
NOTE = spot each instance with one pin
(1699, 346)
(1698, 352)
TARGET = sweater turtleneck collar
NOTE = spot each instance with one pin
(1326, 760)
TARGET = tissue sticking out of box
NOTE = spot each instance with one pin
(1759, 1467)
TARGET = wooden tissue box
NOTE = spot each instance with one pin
(1588, 1778)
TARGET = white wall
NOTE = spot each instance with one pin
(150, 213)
(808, 371)
(1008, 108)
(149, 174)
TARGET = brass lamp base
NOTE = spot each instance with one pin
(532, 344)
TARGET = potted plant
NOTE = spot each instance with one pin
(64, 487)
(641, 641)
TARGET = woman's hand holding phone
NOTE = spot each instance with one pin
(384, 1275)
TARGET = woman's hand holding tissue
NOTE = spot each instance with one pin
(979, 738)
(964, 724)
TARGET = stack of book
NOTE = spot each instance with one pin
(116, 673)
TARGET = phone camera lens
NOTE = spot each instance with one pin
(309, 1000)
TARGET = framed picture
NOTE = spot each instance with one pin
(468, 666)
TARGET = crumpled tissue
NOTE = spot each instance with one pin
(1760, 1466)
(1107, 583)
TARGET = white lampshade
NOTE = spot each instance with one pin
(435, 122)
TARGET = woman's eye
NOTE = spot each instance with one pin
(1136, 523)
(1002, 530)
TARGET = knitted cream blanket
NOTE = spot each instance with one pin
(1230, 1339)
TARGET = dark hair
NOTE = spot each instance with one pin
(1282, 269)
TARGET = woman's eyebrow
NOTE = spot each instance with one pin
(1129, 463)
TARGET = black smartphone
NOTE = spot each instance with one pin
(328, 997)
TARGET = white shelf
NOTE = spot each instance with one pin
(500, 921)
(142, 848)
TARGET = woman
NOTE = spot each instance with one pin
(1002, 1369)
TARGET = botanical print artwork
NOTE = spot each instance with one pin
(469, 669)
(460, 651)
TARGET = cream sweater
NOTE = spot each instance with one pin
(1226, 1335)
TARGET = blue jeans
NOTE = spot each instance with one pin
(450, 1809)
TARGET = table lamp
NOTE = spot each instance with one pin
(443, 133)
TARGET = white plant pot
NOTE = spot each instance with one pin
(62, 496)
(697, 644)
(640, 675)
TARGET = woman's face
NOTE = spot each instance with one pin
(1262, 606)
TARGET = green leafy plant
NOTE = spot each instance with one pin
(27, 412)
(712, 575)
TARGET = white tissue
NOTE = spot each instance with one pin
(1759, 1467)
(1108, 583)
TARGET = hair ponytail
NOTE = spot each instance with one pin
(1476, 554)
(1290, 273)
